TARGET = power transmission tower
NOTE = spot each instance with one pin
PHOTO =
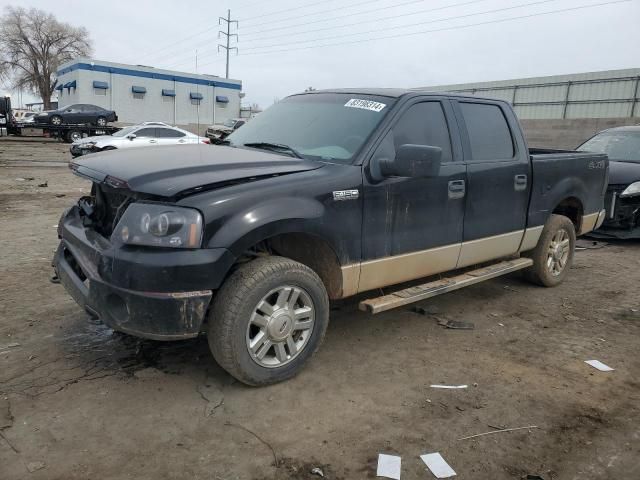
(227, 34)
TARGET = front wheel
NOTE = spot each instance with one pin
(267, 320)
(56, 120)
(553, 255)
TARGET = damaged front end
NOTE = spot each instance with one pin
(150, 292)
(623, 214)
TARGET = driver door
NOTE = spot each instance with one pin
(413, 227)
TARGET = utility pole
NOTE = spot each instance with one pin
(228, 34)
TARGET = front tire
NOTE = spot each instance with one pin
(553, 255)
(267, 320)
(56, 120)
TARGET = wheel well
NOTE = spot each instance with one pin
(572, 209)
(310, 250)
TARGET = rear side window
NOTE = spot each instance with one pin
(146, 132)
(423, 124)
(168, 133)
(488, 131)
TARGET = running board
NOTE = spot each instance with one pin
(438, 287)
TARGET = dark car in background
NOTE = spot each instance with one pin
(77, 114)
(622, 201)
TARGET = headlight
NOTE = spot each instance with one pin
(158, 225)
(631, 191)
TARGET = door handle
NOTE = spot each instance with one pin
(153, 141)
(457, 189)
(520, 182)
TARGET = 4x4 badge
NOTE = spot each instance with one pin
(346, 194)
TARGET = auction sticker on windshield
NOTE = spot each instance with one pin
(365, 104)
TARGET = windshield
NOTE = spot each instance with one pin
(621, 146)
(125, 131)
(320, 126)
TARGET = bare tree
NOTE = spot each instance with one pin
(33, 44)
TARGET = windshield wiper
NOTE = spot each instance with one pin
(274, 146)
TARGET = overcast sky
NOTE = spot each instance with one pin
(275, 60)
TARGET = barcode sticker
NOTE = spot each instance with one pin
(365, 104)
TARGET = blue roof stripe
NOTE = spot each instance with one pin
(143, 74)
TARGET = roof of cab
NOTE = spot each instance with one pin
(394, 92)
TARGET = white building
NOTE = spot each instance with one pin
(138, 93)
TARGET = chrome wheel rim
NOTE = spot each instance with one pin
(56, 120)
(558, 253)
(280, 327)
(102, 122)
(75, 137)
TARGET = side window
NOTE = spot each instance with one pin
(488, 131)
(168, 133)
(146, 132)
(423, 124)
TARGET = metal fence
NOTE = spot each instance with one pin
(571, 97)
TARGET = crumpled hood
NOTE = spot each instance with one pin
(96, 138)
(623, 173)
(168, 170)
(220, 128)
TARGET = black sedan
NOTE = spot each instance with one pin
(622, 201)
(78, 113)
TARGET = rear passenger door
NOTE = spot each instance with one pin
(412, 227)
(169, 136)
(498, 181)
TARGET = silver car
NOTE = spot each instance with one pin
(146, 134)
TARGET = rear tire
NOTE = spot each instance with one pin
(101, 122)
(267, 320)
(74, 135)
(553, 255)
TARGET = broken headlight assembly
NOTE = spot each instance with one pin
(631, 191)
(157, 225)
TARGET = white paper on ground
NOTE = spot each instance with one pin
(437, 465)
(388, 466)
(448, 386)
(599, 365)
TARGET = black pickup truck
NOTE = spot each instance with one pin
(323, 196)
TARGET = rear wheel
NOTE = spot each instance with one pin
(553, 255)
(101, 122)
(74, 136)
(267, 320)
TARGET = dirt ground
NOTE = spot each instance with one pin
(78, 401)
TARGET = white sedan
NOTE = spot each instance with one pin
(146, 134)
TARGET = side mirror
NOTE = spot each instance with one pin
(131, 136)
(413, 161)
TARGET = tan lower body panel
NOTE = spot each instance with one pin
(402, 268)
(350, 279)
(530, 239)
(591, 222)
(438, 287)
(483, 249)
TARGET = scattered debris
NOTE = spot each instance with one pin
(213, 396)
(534, 477)
(54, 279)
(456, 324)
(317, 471)
(449, 386)
(501, 324)
(35, 466)
(599, 365)
(426, 310)
(13, 345)
(25, 179)
(584, 244)
(438, 466)
(60, 195)
(44, 185)
(389, 466)
(498, 431)
(6, 419)
(511, 289)
(264, 442)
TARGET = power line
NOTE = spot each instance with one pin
(419, 12)
(343, 7)
(458, 27)
(300, 7)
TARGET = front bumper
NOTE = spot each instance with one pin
(161, 295)
(79, 150)
(622, 219)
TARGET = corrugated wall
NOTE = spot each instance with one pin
(607, 94)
